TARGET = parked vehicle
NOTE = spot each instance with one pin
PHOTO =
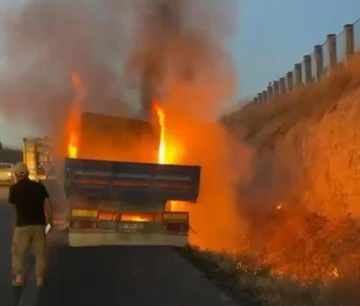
(6, 174)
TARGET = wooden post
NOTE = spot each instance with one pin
(319, 61)
(265, 97)
(276, 89)
(270, 93)
(290, 81)
(298, 75)
(349, 41)
(307, 69)
(331, 42)
(282, 86)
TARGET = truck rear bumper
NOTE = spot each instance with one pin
(81, 239)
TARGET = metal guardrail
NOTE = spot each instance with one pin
(336, 49)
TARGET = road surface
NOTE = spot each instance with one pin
(6, 225)
(101, 276)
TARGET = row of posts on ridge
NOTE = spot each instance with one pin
(324, 58)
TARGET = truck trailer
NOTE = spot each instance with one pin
(124, 203)
(115, 191)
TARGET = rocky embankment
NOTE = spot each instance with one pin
(302, 202)
(308, 143)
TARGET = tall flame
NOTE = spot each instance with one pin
(72, 147)
(169, 150)
(162, 145)
(74, 117)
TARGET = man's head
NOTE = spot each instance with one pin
(21, 171)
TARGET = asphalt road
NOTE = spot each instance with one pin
(6, 226)
(108, 276)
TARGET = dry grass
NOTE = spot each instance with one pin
(258, 284)
(324, 179)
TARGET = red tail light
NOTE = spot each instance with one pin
(177, 227)
(83, 224)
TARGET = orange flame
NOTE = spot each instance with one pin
(72, 147)
(169, 151)
(162, 145)
(74, 118)
(135, 218)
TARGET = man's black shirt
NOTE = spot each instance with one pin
(28, 198)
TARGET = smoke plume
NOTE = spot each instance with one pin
(46, 42)
(175, 51)
(110, 45)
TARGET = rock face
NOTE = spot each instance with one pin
(301, 206)
(316, 160)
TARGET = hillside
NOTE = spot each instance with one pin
(313, 137)
(302, 203)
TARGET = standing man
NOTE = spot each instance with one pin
(31, 201)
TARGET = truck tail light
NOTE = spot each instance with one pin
(83, 224)
(177, 227)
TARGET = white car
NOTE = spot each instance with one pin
(6, 174)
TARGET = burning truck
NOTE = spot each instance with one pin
(116, 184)
(119, 181)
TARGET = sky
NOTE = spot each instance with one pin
(275, 34)
(272, 36)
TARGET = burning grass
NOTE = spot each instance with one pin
(301, 207)
(319, 265)
(249, 282)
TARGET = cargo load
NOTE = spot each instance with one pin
(108, 137)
